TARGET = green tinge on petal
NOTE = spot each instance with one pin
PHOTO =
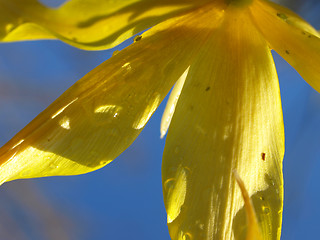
(290, 36)
(101, 115)
(86, 24)
(228, 117)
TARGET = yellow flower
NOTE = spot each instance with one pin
(224, 112)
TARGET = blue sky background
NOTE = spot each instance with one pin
(124, 200)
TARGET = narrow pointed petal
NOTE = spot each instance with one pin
(171, 104)
(253, 232)
(101, 115)
(87, 24)
(228, 117)
(290, 36)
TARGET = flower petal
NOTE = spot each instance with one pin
(228, 117)
(171, 104)
(101, 115)
(290, 36)
(87, 24)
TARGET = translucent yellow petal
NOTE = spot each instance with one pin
(253, 232)
(101, 115)
(171, 104)
(87, 24)
(228, 117)
(290, 36)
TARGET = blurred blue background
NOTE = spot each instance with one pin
(124, 200)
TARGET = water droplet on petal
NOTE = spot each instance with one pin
(187, 236)
(168, 184)
(105, 114)
(127, 66)
(53, 166)
(200, 225)
(265, 209)
(65, 123)
(105, 162)
(176, 195)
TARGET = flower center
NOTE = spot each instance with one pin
(239, 3)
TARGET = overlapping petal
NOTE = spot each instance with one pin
(171, 104)
(87, 24)
(228, 117)
(253, 231)
(101, 115)
(290, 36)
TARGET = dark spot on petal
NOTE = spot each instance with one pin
(303, 33)
(263, 156)
(287, 52)
(207, 89)
(309, 36)
(137, 38)
(282, 16)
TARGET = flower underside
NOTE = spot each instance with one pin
(224, 114)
